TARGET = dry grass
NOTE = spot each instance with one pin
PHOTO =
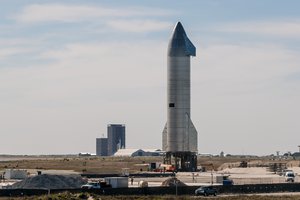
(111, 164)
(81, 164)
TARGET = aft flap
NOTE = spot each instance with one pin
(164, 138)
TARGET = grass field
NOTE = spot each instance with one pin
(103, 164)
(79, 164)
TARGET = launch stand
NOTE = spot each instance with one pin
(182, 161)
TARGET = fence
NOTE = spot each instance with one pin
(188, 190)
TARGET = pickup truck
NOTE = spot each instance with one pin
(95, 185)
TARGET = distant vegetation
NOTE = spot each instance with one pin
(67, 196)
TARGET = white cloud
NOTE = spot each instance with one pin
(120, 19)
(16, 42)
(4, 52)
(115, 58)
(12, 47)
(270, 28)
(38, 13)
(139, 25)
(249, 63)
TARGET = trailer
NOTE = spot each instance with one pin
(117, 182)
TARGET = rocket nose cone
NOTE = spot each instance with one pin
(179, 43)
(178, 25)
(178, 31)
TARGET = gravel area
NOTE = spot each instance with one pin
(50, 182)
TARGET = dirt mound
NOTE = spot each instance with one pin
(170, 182)
(46, 181)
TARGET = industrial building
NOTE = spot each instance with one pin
(138, 152)
(15, 174)
(101, 147)
(115, 140)
(296, 155)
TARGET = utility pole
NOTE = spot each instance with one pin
(176, 183)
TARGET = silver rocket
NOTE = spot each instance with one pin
(179, 134)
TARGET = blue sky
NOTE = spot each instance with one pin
(68, 68)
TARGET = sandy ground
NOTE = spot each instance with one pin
(256, 175)
(253, 175)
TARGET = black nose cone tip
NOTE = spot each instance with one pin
(179, 44)
(178, 30)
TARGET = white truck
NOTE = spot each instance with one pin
(95, 185)
(289, 176)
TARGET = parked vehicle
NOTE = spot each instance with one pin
(289, 176)
(206, 191)
(167, 168)
(91, 185)
(95, 185)
(227, 180)
(284, 171)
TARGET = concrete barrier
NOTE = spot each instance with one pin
(140, 175)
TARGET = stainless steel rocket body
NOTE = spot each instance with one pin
(178, 102)
(179, 134)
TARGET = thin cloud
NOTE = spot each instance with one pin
(12, 51)
(12, 47)
(269, 28)
(251, 64)
(139, 25)
(38, 13)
